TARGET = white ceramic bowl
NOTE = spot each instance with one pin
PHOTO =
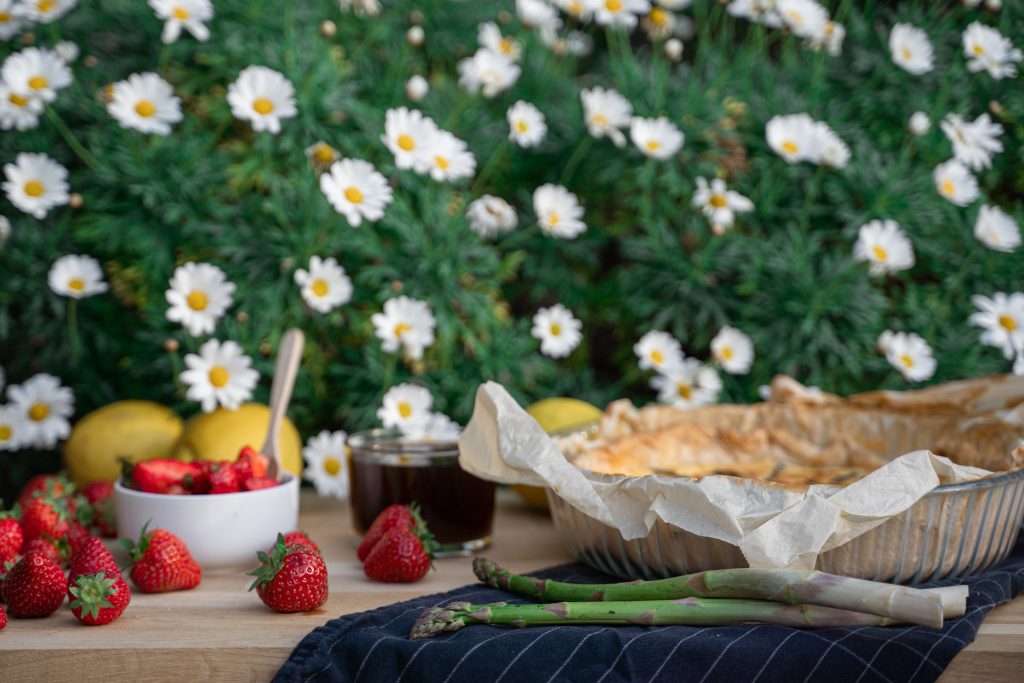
(223, 530)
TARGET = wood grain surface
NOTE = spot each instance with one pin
(221, 632)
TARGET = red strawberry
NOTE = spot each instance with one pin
(290, 578)
(250, 464)
(45, 515)
(3, 618)
(5, 568)
(160, 475)
(224, 479)
(99, 598)
(46, 547)
(300, 538)
(161, 562)
(35, 587)
(11, 539)
(389, 518)
(400, 557)
(55, 485)
(92, 556)
(98, 491)
(257, 483)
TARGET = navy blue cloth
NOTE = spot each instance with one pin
(373, 646)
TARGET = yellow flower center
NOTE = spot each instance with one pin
(34, 188)
(145, 108)
(219, 376)
(658, 16)
(5, 17)
(404, 409)
(507, 45)
(354, 195)
(947, 187)
(977, 49)
(1008, 323)
(441, 162)
(907, 361)
(402, 328)
(406, 142)
(45, 6)
(575, 8)
(17, 100)
(320, 287)
(180, 13)
(556, 329)
(599, 119)
(684, 390)
(38, 82)
(718, 201)
(332, 466)
(521, 126)
(790, 147)
(726, 353)
(880, 253)
(197, 300)
(38, 411)
(323, 153)
(553, 219)
(653, 145)
(263, 106)
(906, 54)
(76, 284)
(657, 357)
(794, 16)
(6, 433)
(613, 5)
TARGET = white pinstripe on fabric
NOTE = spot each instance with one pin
(628, 643)
(520, 653)
(416, 654)
(726, 649)
(473, 649)
(772, 655)
(574, 651)
(835, 643)
(672, 652)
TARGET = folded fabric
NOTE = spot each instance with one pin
(374, 645)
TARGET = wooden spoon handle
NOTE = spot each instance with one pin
(289, 355)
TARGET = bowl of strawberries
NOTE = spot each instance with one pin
(224, 511)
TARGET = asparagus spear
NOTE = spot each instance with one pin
(687, 611)
(778, 585)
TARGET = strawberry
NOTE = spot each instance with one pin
(257, 483)
(160, 475)
(300, 538)
(45, 515)
(390, 517)
(11, 539)
(99, 598)
(77, 534)
(290, 578)
(5, 568)
(55, 485)
(161, 563)
(35, 587)
(90, 557)
(45, 546)
(98, 491)
(250, 464)
(3, 618)
(224, 479)
(402, 556)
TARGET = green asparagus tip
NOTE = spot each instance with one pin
(433, 621)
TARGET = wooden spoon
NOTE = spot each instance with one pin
(289, 355)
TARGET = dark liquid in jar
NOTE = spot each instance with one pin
(457, 506)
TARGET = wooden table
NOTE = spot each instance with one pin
(221, 632)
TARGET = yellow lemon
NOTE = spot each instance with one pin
(555, 415)
(221, 434)
(125, 430)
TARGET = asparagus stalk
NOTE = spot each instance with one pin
(778, 585)
(954, 599)
(686, 611)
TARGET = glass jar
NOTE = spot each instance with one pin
(387, 468)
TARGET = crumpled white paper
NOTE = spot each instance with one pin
(772, 526)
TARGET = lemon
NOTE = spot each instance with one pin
(221, 434)
(125, 430)
(555, 415)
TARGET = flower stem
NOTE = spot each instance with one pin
(69, 137)
(489, 167)
(576, 158)
(74, 341)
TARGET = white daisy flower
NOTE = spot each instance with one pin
(719, 203)
(67, 51)
(657, 138)
(558, 210)
(221, 374)
(44, 406)
(36, 183)
(658, 350)
(325, 286)
(199, 295)
(1001, 319)
(733, 350)
(833, 151)
(76, 277)
(908, 353)
(558, 330)
(687, 384)
(577, 9)
(996, 229)
(760, 11)
(954, 181)
(146, 103)
(407, 134)
(794, 137)
(5, 232)
(885, 247)
(406, 407)
(361, 8)
(356, 190)
(406, 323)
(831, 38)
(415, 36)
(538, 14)
(416, 88)
(605, 112)
(675, 5)
(919, 123)
(325, 456)
(575, 43)
(11, 428)
(659, 23)
(35, 73)
(488, 72)
(18, 111)
(438, 427)
(489, 36)
(262, 96)
(11, 23)
(446, 157)
(490, 216)
(618, 12)
(190, 15)
(989, 50)
(975, 142)
(320, 156)
(526, 124)
(910, 49)
(673, 49)
(44, 11)
(805, 18)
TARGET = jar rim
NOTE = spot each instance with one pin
(385, 440)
